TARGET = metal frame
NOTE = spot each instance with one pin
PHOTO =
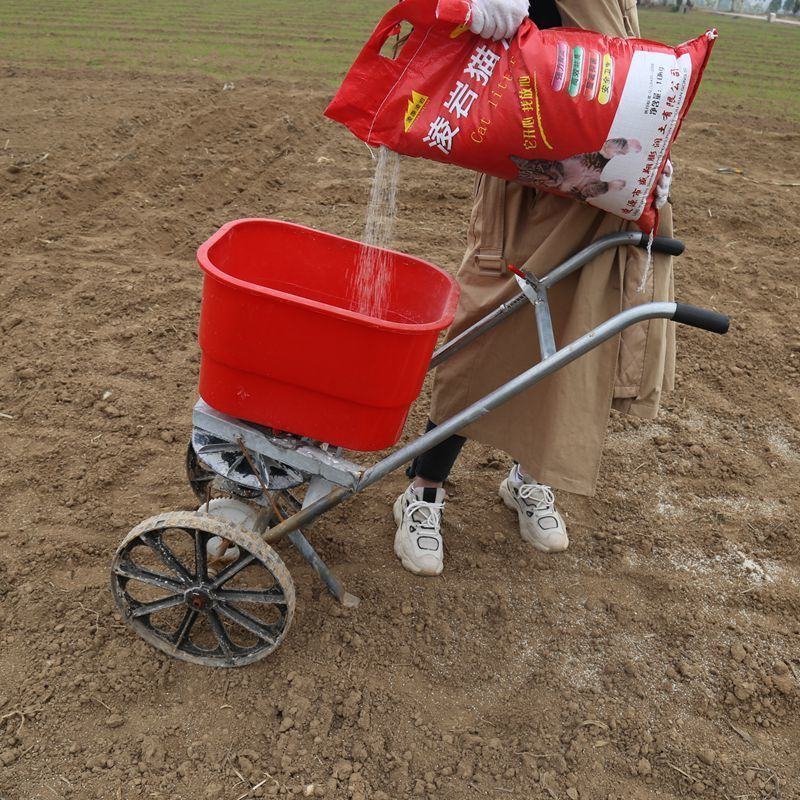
(530, 377)
(333, 479)
(534, 290)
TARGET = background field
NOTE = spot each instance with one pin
(306, 41)
(657, 658)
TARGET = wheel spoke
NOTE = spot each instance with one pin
(127, 569)
(201, 554)
(145, 609)
(224, 640)
(157, 545)
(189, 618)
(244, 560)
(247, 622)
(270, 596)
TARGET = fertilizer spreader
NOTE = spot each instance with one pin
(290, 376)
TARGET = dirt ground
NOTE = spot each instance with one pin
(659, 657)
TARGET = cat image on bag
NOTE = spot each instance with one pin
(577, 176)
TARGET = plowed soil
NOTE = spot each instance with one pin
(659, 657)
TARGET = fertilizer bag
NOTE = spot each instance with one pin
(563, 110)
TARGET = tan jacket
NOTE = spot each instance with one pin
(556, 429)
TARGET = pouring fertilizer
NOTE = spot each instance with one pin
(370, 283)
(549, 280)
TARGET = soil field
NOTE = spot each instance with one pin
(659, 657)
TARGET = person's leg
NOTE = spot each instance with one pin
(432, 468)
(418, 511)
(540, 523)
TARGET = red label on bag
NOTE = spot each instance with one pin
(562, 110)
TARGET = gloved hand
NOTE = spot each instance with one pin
(497, 19)
(662, 187)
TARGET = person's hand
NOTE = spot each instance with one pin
(662, 187)
(497, 19)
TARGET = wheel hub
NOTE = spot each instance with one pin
(198, 599)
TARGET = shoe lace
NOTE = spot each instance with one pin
(425, 515)
(538, 495)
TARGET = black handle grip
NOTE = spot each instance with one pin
(701, 318)
(663, 244)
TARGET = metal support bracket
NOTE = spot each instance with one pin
(301, 454)
(533, 289)
(317, 488)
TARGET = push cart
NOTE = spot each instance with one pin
(232, 612)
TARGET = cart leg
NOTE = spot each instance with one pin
(318, 487)
(334, 585)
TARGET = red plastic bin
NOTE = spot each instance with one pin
(282, 347)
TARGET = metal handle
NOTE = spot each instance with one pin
(701, 318)
(663, 244)
(679, 312)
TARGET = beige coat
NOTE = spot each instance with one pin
(557, 428)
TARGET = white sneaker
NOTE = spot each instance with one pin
(540, 524)
(219, 550)
(418, 541)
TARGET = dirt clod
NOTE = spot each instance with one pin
(738, 652)
(707, 756)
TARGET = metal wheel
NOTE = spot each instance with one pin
(180, 602)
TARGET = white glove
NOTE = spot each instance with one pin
(662, 187)
(497, 19)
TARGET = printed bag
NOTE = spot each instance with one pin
(567, 111)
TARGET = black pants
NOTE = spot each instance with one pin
(436, 463)
(544, 13)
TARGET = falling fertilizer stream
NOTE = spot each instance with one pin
(370, 284)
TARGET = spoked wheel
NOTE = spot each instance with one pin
(181, 602)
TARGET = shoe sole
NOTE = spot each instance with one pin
(508, 499)
(397, 510)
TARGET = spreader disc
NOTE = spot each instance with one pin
(224, 460)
